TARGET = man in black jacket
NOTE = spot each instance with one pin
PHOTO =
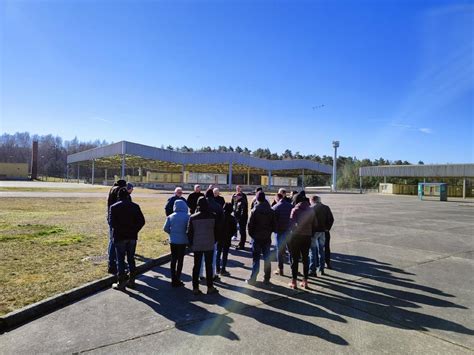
(318, 242)
(282, 215)
(126, 220)
(241, 207)
(262, 224)
(193, 198)
(178, 195)
(113, 198)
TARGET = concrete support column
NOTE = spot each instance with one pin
(78, 172)
(93, 171)
(248, 176)
(123, 167)
(183, 168)
(360, 184)
(67, 172)
(464, 188)
(302, 179)
(105, 175)
(384, 179)
(230, 176)
(269, 178)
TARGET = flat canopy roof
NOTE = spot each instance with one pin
(156, 158)
(438, 170)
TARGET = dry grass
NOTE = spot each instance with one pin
(50, 245)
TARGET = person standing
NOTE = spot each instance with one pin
(178, 195)
(224, 240)
(176, 225)
(282, 215)
(303, 223)
(218, 198)
(111, 199)
(193, 198)
(281, 191)
(262, 224)
(318, 250)
(240, 202)
(130, 188)
(201, 233)
(126, 220)
(254, 200)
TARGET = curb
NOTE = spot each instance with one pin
(36, 310)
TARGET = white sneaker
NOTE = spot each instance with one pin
(235, 238)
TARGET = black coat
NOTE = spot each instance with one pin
(262, 222)
(220, 200)
(324, 216)
(241, 207)
(126, 220)
(170, 204)
(282, 214)
(192, 201)
(229, 229)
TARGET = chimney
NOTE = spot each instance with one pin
(34, 161)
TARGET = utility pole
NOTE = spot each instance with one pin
(335, 145)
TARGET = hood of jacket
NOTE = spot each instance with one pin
(180, 206)
(202, 205)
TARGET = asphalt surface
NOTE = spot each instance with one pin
(402, 282)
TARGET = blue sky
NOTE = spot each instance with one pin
(395, 77)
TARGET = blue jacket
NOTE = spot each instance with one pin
(177, 222)
(282, 213)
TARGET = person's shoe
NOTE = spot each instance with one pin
(180, 283)
(225, 273)
(235, 238)
(313, 274)
(197, 292)
(279, 272)
(328, 266)
(218, 271)
(304, 284)
(292, 284)
(238, 247)
(201, 278)
(215, 277)
(251, 282)
(121, 285)
(112, 271)
(322, 272)
(266, 281)
(131, 283)
(212, 290)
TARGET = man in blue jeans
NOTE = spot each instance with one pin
(262, 224)
(282, 210)
(325, 221)
(126, 220)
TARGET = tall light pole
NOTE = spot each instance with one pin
(335, 145)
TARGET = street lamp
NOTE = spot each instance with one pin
(335, 145)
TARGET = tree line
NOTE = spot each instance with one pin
(53, 152)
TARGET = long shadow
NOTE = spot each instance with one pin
(175, 305)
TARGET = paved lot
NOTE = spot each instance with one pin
(402, 282)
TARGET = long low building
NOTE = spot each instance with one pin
(433, 171)
(127, 154)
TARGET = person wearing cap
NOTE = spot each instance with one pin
(201, 232)
(113, 198)
(178, 195)
(193, 198)
(303, 224)
(126, 220)
(262, 224)
(241, 206)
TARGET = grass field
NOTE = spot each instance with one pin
(50, 245)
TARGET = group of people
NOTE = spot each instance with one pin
(207, 224)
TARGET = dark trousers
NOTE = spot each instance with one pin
(125, 248)
(299, 247)
(327, 248)
(208, 254)
(243, 231)
(222, 249)
(259, 248)
(177, 257)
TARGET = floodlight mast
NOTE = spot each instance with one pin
(335, 145)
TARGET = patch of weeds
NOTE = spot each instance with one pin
(64, 241)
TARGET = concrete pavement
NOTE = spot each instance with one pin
(401, 282)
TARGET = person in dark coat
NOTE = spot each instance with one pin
(241, 207)
(111, 199)
(218, 212)
(178, 195)
(319, 252)
(282, 215)
(253, 203)
(303, 224)
(218, 198)
(262, 224)
(201, 234)
(126, 220)
(193, 198)
(224, 240)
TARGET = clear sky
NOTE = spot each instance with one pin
(396, 78)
